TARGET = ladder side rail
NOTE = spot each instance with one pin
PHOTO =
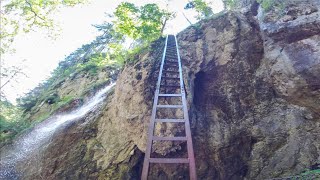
(179, 64)
(146, 161)
(192, 168)
(162, 63)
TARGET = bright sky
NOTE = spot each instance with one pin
(40, 55)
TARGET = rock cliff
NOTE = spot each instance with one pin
(253, 90)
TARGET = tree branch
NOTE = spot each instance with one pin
(12, 76)
(186, 18)
(31, 9)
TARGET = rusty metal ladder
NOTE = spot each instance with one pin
(170, 60)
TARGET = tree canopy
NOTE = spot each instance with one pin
(202, 7)
(145, 23)
(230, 4)
(23, 16)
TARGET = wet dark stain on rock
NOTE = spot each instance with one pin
(137, 66)
(139, 76)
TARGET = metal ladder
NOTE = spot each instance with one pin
(170, 67)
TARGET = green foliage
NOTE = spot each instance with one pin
(117, 54)
(94, 87)
(10, 129)
(9, 111)
(22, 16)
(52, 98)
(11, 123)
(203, 9)
(64, 101)
(126, 19)
(146, 22)
(70, 67)
(266, 4)
(139, 25)
(133, 55)
(28, 101)
(95, 62)
(40, 118)
(230, 4)
(307, 174)
(143, 24)
(310, 172)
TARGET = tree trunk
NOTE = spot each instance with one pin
(187, 18)
(164, 25)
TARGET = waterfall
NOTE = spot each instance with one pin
(41, 134)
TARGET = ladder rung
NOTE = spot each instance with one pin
(169, 160)
(169, 86)
(169, 106)
(171, 78)
(172, 62)
(157, 138)
(171, 57)
(171, 65)
(170, 71)
(170, 120)
(171, 54)
(170, 95)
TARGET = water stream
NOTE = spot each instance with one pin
(41, 134)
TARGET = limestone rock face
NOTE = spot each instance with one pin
(254, 95)
(253, 91)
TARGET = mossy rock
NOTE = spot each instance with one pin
(52, 98)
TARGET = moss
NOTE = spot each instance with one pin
(52, 98)
(56, 105)
(62, 102)
(135, 54)
(230, 4)
(268, 5)
(65, 102)
(58, 83)
(42, 117)
(305, 175)
(309, 173)
(129, 168)
(95, 87)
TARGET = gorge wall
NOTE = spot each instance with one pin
(253, 90)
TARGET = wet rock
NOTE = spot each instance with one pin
(53, 98)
